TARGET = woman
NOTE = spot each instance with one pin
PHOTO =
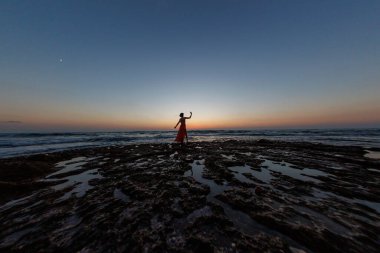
(182, 133)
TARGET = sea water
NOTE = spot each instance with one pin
(15, 144)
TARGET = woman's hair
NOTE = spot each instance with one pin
(181, 114)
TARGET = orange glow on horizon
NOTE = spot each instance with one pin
(288, 117)
(199, 124)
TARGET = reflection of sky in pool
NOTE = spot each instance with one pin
(263, 175)
(300, 174)
(79, 181)
(324, 195)
(241, 220)
(373, 154)
(69, 165)
(283, 168)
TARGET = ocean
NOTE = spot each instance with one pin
(16, 144)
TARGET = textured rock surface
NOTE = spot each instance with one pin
(233, 196)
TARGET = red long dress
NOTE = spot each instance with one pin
(182, 133)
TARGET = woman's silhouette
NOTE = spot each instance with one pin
(182, 133)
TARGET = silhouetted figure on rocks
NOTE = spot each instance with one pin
(182, 132)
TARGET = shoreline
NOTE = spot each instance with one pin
(231, 196)
(13, 145)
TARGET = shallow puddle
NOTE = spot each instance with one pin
(80, 183)
(196, 171)
(229, 157)
(324, 220)
(118, 194)
(263, 175)
(370, 204)
(71, 222)
(16, 202)
(319, 194)
(70, 165)
(173, 155)
(242, 221)
(238, 172)
(14, 237)
(284, 168)
(373, 154)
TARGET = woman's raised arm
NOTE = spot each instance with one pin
(191, 114)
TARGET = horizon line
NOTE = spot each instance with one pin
(189, 130)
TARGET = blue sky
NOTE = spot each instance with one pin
(115, 65)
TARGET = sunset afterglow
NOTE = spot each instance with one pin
(89, 66)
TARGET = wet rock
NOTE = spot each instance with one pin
(246, 196)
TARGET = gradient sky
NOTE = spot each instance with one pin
(119, 65)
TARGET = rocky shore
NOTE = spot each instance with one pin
(232, 196)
